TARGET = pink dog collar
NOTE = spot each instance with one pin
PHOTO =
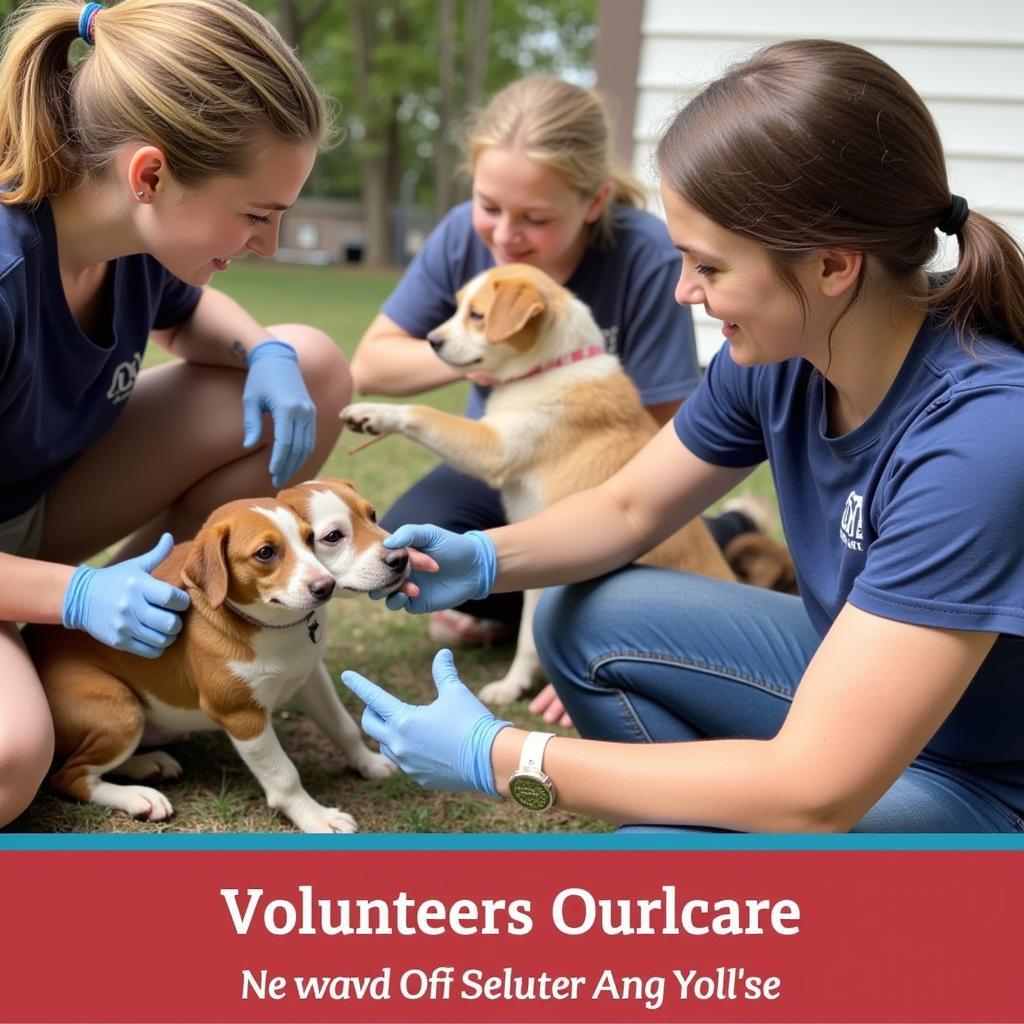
(566, 360)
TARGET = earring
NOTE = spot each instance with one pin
(140, 193)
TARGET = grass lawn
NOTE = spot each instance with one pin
(217, 792)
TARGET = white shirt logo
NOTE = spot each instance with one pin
(124, 379)
(851, 529)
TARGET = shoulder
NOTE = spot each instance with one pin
(455, 228)
(975, 379)
(453, 246)
(19, 236)
(641, 231)
(640, 244)
(971, 418)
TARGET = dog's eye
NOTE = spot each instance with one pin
(334, 537)
(265, 553)
(476, 316)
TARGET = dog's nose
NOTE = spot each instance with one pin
(322, 588)
(397, 559)
(436, 341)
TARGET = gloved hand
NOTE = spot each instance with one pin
(124, 607)
(444, 745)
(468, 565)
(274, 384)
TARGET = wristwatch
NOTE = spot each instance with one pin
(528, 785)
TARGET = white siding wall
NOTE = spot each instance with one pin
(965, 58)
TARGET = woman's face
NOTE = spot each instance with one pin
(735, 281)
(195, 232)
(524, 212)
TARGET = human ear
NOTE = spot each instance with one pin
(839, 270)
(597, 202)
(146, 167)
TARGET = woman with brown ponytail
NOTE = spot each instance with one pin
(131, 173)
(805, 190)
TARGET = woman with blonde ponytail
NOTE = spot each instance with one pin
(143, 147)
(806, 190)
(546, 191)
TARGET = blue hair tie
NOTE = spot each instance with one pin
(86, 19)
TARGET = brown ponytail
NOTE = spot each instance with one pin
(815, 144)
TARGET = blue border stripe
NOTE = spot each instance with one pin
(425, 841)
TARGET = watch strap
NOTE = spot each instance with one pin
(531, 758)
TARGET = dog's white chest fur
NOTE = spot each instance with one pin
(283, 660)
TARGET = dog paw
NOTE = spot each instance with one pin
(138, 801)
(150, 767)
(371, 418)
(371, 765)
(504, 691)
(325, 820)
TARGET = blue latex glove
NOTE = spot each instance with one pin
(124, 607)
(274, 384)
(468, 565)
(444, 745)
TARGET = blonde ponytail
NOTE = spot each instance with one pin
(205, 80)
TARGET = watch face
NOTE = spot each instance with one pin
(530, 792)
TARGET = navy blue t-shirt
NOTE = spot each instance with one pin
(914, 515)
(61, 390)
(628, 286)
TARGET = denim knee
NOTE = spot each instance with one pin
(549, 634)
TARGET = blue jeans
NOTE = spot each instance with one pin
(648, 655)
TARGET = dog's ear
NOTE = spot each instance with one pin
(515, 304)
(206, 567)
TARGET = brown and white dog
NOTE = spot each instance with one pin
(563, 417)
(346, 537)
(252, 638)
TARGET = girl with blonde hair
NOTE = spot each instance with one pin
(546, 192)
(130, 174)
(805, 190)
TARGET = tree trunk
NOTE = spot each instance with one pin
(443, 162)
(478, 27)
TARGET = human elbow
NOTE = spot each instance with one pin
(364, 381)
(817, 806)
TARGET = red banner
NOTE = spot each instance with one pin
(457, 935)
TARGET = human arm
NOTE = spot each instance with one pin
(659, 490)
(871, 698)
(32, 591)
(390, 361)
(121, 605)
(221, 333)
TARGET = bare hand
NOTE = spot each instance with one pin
(482, 378)
(419, 561)
(549, 706)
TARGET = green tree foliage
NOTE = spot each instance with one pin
(380, 61)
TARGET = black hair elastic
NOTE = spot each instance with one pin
(953, 219)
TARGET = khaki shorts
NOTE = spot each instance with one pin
(23, 534)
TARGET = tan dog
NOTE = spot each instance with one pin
(563, 417)
(253, 638)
